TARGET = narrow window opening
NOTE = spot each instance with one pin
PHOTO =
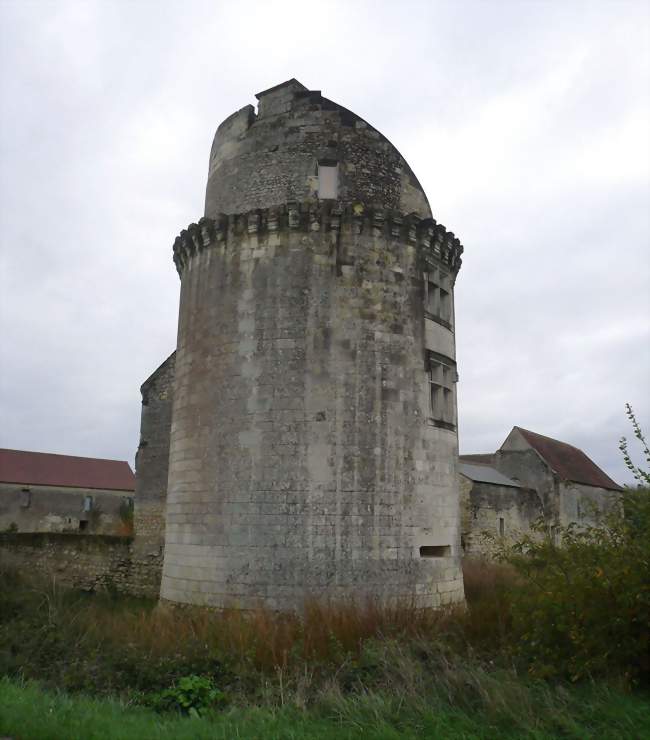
(555, 534)
(502, 526)
(83, 525)
(25, 498)
(445, 306)
(435, 551)
(88, 503)
(328, 181)
(433, 298)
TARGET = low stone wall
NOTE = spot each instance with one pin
(86, 562)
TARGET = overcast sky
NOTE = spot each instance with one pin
(526, 122)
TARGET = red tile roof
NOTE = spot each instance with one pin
(569, 462)
(45, 469)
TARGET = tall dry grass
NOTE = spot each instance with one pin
(102, 644)
(324, 632)
(487, 590)
(267, 639)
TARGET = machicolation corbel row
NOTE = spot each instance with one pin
(434, 242)
(302, 441)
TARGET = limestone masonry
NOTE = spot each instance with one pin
(301, 442)
(310, 408)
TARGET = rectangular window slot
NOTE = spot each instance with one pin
(502, 526)
(328, 182)
(435, 551)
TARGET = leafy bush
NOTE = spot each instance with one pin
(191, 695)
(583, 608)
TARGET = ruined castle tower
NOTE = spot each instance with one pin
(313, 436)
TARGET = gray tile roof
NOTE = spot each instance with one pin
(485, 474)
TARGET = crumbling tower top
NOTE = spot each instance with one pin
(301, 146)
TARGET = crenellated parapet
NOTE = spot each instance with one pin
(434, 243)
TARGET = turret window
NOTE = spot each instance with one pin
(442, 378)
(438, 296)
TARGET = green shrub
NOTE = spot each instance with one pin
(583, 607)
(191, 695)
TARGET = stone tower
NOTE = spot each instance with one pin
(313, 437)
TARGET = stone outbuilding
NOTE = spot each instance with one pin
(43, 492)
(528, 477)
(490, 502)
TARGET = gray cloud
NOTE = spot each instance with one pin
(526, 123)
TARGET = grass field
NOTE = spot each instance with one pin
(29, 713)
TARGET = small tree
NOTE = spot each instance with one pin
(640, 475)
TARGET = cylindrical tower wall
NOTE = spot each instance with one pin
(306, 460)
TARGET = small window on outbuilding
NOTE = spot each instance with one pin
(88, 503)
(83, 525)
(555, 534)
(502, 526)
(25, 498)
(328, 180)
